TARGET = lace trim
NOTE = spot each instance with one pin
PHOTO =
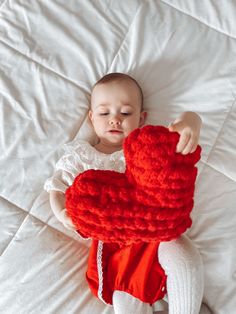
(100, 272)
(86, 154)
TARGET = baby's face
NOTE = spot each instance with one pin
(116, 111)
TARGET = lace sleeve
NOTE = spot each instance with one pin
(66, 169)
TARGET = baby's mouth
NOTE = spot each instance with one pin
(115, 131)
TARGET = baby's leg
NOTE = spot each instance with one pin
(183, 266)
(124, 303)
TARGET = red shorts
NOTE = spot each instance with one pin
(134, 269)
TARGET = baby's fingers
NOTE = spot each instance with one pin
(194, 148)
(189, 147)
(67, 221)
(69, 226)
(183, 141)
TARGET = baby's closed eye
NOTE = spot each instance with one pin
(103, 113)
(126, 113)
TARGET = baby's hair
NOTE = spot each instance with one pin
(116, 76)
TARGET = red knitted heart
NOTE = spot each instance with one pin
(151, 201)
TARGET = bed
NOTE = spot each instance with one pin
(51, 53)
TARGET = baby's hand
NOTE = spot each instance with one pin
(188, 125)
(57, 202)
(65, 219)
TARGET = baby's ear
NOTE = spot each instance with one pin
(90, 115)
(142, 119)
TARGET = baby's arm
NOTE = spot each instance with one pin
(188, 125)
(66, 169)
(57, 202)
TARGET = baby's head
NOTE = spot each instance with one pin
(116, 109)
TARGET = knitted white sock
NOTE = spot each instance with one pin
(124, 303)
(183, 266)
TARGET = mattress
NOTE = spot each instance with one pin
(51, 53)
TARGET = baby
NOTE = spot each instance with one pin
(116, 110)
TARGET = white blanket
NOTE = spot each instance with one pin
(51, 53)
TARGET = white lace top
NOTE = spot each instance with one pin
(80, 156)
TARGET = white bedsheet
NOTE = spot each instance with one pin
(51, 53)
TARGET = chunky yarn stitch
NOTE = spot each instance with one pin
(151, 201)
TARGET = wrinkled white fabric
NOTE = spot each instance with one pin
(182, 53)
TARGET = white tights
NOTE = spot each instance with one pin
(183, 266)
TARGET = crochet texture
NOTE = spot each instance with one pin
(151, 201)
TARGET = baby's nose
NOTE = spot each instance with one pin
(115, 120)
